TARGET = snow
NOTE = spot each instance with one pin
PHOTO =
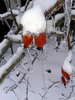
(59, 16)
(69, 57)
(33, 21)
(9, 13)
(3, 69)
(49, 26)
(3, 44)
(73, 98)
(45, 4)
(52, 57)
(13, 37)
(67, 67)
(49, 23)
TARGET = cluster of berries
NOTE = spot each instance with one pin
(40, 39)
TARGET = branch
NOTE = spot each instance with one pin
(59, 33)
(14, 60)
(4, 45)
(8, 15)
(14, 38)
(51, 9)
(12, 14)
(26, 4)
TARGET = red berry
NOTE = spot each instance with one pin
(27, 39)
(63, 80)
(63, 37)
(65, 74)
(40, 39)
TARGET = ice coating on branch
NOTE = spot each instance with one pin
(50, 24)
(12, 60)
(45, 4)
(67, 67)
(33, 21)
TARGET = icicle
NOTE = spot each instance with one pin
(68, 5)
(42, 56)
(2, 21)
(7, 23)
(7, 5)
(30, 61)
(53, 21)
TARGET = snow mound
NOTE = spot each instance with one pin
(33, 20)
(45, 4)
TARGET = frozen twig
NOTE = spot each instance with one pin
(26, 4)
(51, 9)
(53, 83)
(43, 96)
(12, 14)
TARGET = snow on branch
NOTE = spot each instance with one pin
(5, 69)
(14, 38)
(6, 43)
(8, 15)
(53, 7)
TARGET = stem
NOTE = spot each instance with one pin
(51, 9)
(12, 14)
(9, 42)
(26, 4)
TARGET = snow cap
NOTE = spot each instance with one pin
(33, 21)
(45, 4)
(67, 67)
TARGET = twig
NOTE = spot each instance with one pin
(12, 14)
(26, 4)
(51, 9)
(9, 42)
(53, 84)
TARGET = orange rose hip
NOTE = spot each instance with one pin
(27, 39)
(40, 39)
